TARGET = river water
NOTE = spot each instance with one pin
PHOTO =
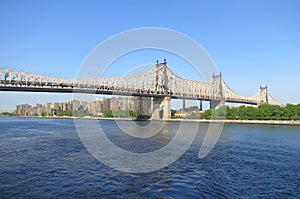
(45, 158)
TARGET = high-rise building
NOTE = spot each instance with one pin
(142, 105)
(96, 107)
(23, 109)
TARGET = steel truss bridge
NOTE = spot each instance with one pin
(160, 82)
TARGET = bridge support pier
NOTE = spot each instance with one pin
(201, 106)
(140, 105)
(165, 113)
(216, 103)
(183, 105)
(167, 108)
(156, 108)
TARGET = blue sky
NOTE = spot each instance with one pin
(252, 42)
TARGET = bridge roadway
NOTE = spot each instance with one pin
(6, 86)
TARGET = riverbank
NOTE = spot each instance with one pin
(262, 122)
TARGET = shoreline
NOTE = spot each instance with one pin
(257, 122)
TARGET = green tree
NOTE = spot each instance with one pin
(108, 113)
(207, 114)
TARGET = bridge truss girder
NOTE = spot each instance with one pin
(159, 82)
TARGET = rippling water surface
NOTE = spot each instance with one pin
(45, 158)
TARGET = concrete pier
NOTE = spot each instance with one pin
(167, 108)
(161, 105)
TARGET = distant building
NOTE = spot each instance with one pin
(37, 110)
(182, 114)
(191, 109)
(8, 111)
(96, 107)
(23, 109)
(142, 105)
(107, 104)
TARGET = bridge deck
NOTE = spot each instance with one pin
(109, 92)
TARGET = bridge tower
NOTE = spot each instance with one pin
(218, 97)
(167, 99)
(162, 102)
(263, 95)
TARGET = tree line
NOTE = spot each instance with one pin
(125, 114)
(262, 112)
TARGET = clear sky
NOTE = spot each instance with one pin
(253, 43)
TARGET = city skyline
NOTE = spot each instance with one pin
(97, 107)
(253, 43)
(93, 108)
